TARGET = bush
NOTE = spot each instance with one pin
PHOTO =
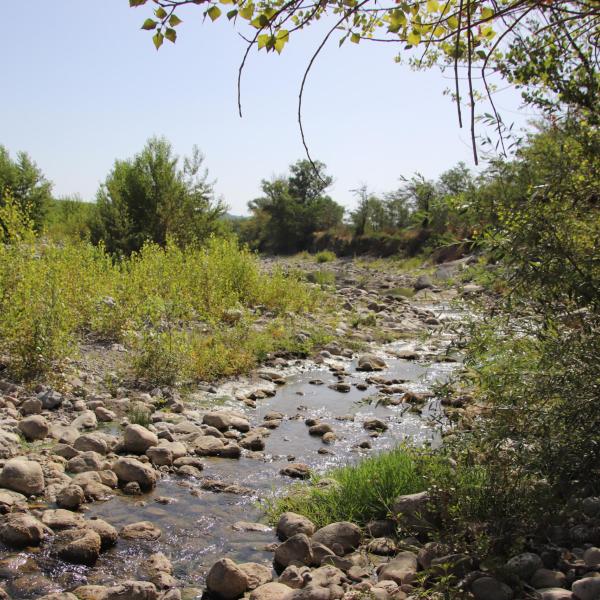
(325, 256)
(183, 312)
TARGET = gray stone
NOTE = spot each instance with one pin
(524, 565)
(137, 439)
(19, 530)
(370, 362)
(130, 469)
(78, 546)
(226, 580)
(34, 427)
(71, 497)
(587, 588)
(401, 569)
(295, 550)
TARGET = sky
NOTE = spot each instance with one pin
(83, 86)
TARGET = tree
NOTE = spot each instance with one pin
(483, 36)
(293, 208)
(152, 198)
(23, 182)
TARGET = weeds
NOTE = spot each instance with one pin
(325, 256)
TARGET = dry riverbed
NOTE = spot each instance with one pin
(109, 491)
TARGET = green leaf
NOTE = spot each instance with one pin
(263, 40)
(281, 39)
(174, 20)
(260, 22)
(133, 3)
(157, 38)
(160, 12)
(432, 6)
(247, 11)
(355, 38)
(413, 38)
(214, 12)
(232, 13)
(171, 35)
(149, 24)
(397, 21)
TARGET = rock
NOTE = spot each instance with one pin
(78, 546)
(159, 563)
(587, 588)
(554, 594)
(226, 580)
(373, 424)
(524, 565)
(291, 523)
(293, 576)
(32, 406)
(320, 429)
(131, 469)
(144, 530)
(104, 415)
(370, 362)
(591, 506)
(71, 497)
(86, 420)
(208, 445)
(591, 558)
(256, 574)
(19, 530)
(545, 578)
(61, 519)
(412, 510)
(423, 282)
(295, 550)
(271, 591)
(9, 501)
(10, 444)
(344, 534)
(34, 428)
(86, 461)
(91, 592)
(160, 456)
(132, 590)
(137, 439)
(222, 421)
(382, 546)
(329, 437)
(488, 588)
(401, 569)
(108, 534)
(296, 470)
(91, 442)
(50, 399)
(253, 441)
(58, 596)
(23, 476)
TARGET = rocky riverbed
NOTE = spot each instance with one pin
(123, 493)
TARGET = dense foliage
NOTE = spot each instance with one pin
(23, 181)
(152, 197)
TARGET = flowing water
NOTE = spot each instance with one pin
(198, 526)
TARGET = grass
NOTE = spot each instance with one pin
(325, 256)
(367, 490)
(322, 278)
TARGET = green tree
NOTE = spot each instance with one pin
(152, 197)
(293, 208)
(23, 181)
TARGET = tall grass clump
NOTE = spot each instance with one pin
(325, 256)
(367, 490)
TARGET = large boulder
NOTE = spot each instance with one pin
(370, 362)
(295, 550)
(401, 569)
(226, 580)
(130, 469)
(524, 565)
(291, 523)
(86, 420)
(24, 476)
(86, 461)
(9, 444)
(137, 439)
(34, 428)
(91, 442)
(19, 530)
(61, 519)
(70, 497)
(256, 574)
(343, 535)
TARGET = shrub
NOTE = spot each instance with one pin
(325, 256)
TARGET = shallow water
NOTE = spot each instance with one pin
(197, 528)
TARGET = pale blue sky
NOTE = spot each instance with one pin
(82, 85)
